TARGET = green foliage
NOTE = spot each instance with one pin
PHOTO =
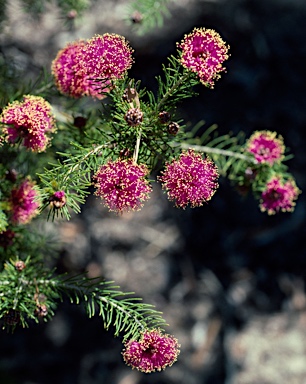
(146, 15)
(31, 292)
(121, 310)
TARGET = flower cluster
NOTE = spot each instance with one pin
(122, 185)
(85, 68)
(266, 147)
(203, 52)
(23, 202)
(279, 196)
(153, 352)
(190, 179)
(30, 121)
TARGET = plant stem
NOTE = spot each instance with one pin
(170, 91)
(217, 151)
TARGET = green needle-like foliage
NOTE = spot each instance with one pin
(27, 288)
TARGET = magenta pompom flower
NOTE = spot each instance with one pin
(266, 147)
(23, 202)
(203, 52)
(106, 57)
(153, 352)
(86, 67)
(30, 120)
(122, 185)
(279, 196)
(190, 179)
(69, 71)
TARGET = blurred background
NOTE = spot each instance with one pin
(228, 278)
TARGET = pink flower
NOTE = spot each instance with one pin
(29, 120)
(23, 204)
(266, 147)
(153, 352)
(190, 179)
(86, 67)
(69, 71)
(107, 57)
(279, 196)
(203, 52)
(122, 185)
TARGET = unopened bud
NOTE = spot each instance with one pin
(133, 117)
(126, 152)
(58, 199)
(41, 310)
(20, 265)
(164, 117)
(173, 128)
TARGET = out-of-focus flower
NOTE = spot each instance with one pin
(153, 352)
(279, 196)
(266, 147)
(30, 120)
(69, 71)
(24, 206)
(190, 179)
(122, 185)
(203, 52)
(87, 67)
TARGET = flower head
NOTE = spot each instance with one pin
(153, 352)
(69, 71)
(279, 196)
(122, 185)
(23, 204)
(80, 68)
(203, 52)
(190, 179)
(266, 147)
(30, 120)
(107, 56)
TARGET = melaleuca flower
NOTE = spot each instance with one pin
(106, 57)
(23, 202)
(69, 71)
(279, 196)
(190, 179)
(203, 52)
(122, 185)
(29, 120)
(86, 67)
(266, 147)
(153, 352)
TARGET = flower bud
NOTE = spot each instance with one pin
(133, 117)
(79, 122)
(12, 317)
(58, 199)
(20, 265)
(164, 117)
(173, 128)
(41, 310)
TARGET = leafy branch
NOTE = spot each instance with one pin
(24, 290)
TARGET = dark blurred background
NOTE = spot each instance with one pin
(229, 279)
